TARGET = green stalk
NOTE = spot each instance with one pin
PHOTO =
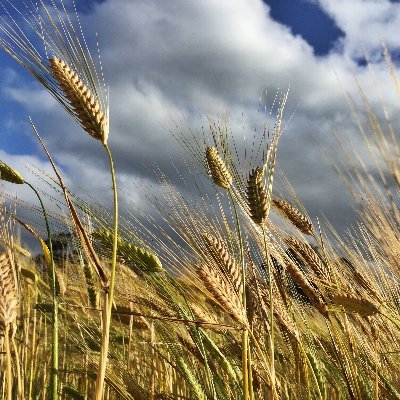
(32, 360)
(8, 358)
(263, 359)
(271, 303)
(18, 368)
(108, 293)
(54, 351)
(245, 335)
(250, 372)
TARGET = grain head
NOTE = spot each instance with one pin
(8, 293)
(9, 174)
(299, 220)
(217, 168)
(257, 197)
(85, 106)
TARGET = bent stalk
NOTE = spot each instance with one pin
(54, 352)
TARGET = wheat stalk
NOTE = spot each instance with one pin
(86, 107)
(217, 168)
(257, 196)
(8, 310)
(299, 220)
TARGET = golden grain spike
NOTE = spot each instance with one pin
(10, 175)
(355, 304)
(257, 196)
(8, 293)
(307, 253)
(222, 292)
(217, 168)
(310, 292)
(85, 106)
(224, 261)
(299, 220)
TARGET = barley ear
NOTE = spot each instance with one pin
(222, 292)
(217, 168)
(257, 197)
(8, 293)
(299, 220)
(355, 304)
(84, 104)
(9, 174)
(307, 253)
(225, 262)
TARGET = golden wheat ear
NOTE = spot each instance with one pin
(218, 170)
(257, 197)
(292, 214)
(8, 293)
(225, 262)
(85, 106)
(222, 292)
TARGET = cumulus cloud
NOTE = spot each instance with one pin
(175, 60)
(366, 24)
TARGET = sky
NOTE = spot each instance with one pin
(182, 60)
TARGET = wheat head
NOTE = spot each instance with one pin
(217, 168)
(86, 107)
(310, 292)
(224, 261)
(9, 174)
(307, 253)
(299, 220)
(8, 293)
(222, 292)
(257, 196)
(144, 259)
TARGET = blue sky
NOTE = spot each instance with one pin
(307, 20)
(180, 60)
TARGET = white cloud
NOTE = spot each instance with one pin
(366, 24)
(174, 59)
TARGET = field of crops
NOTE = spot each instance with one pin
(239, 295)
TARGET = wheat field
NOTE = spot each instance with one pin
(239, 295)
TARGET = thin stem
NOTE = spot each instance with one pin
(271, 302)
(376, 369)
(54, 352)
(311, 369)
(245, 336)
(250, 371)
(32, 361)
(105, 338)
(263, 359)
(18, 368)
(109, 293)
(8, 358)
